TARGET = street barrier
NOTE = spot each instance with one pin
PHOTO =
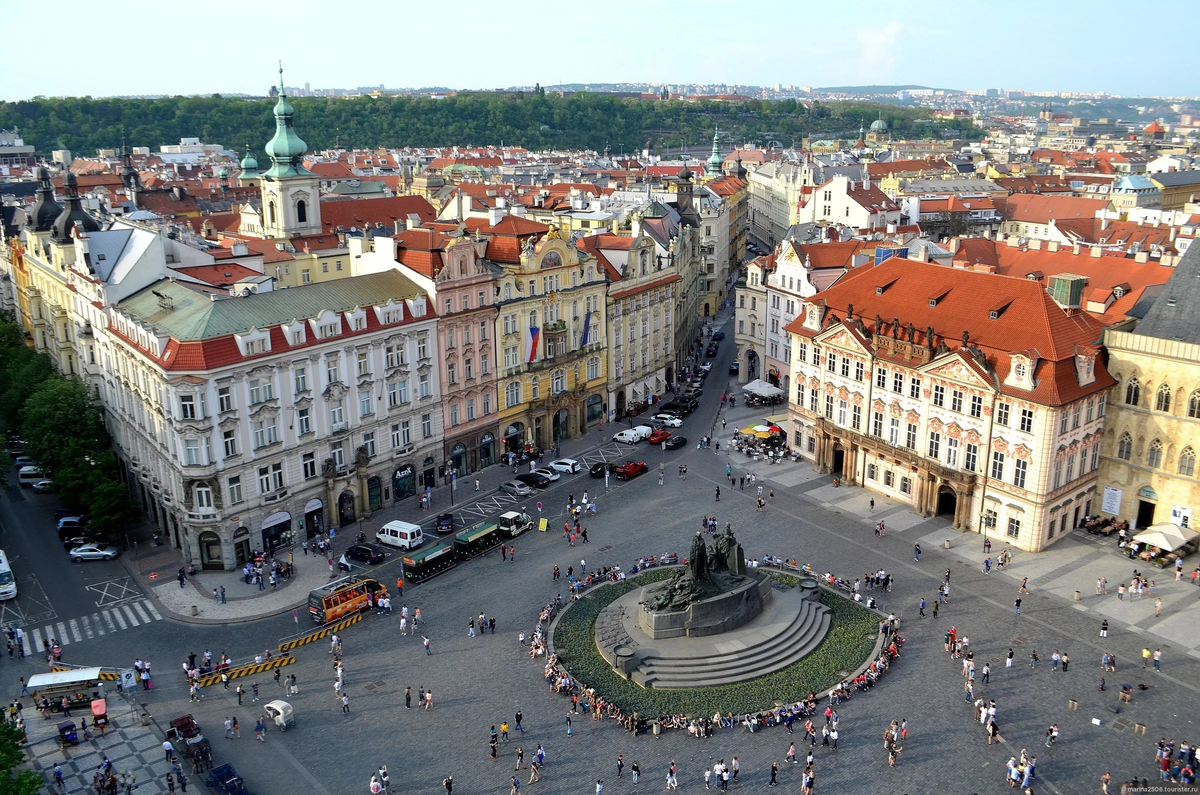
(317, 634)
(110, 674)
(249, 669)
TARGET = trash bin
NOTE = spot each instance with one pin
(1078, 597)
(145, 718)
(655, 728)
(195, 610)
(946, 544)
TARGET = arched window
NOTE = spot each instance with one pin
(1125, 447)
(301, 211)
(1132, 392)
(1194, 405)
(1154, 456)
(533, 319)
(1187, 462)
(204, 497)
(593, 368)
(558, 382)
(508, 292)
(1162, 398)
(271, 213)
(512, 394)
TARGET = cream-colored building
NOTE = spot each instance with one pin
(749, 314)
(991, 412)
(1148, 467)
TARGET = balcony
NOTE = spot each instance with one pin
(207, 517)
(556, 327)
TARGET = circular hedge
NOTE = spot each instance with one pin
(852, 633)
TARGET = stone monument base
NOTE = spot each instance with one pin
(712, 616)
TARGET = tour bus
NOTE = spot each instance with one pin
(342, 598)
(80, 686)
(472, 543)
(8, 583)
(423, 564)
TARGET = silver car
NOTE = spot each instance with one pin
(669, 420)
(515, 488)
(549, 473)
(96, 551)
(567, 466)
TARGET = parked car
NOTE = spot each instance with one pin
(549, 473)
(75, 541)
(718, 335)
(629, 470)
(598, 469)
(515, 488)
(658, 437)
(675, 442)
(711, 350)
(24, 461)
(704, 368)
(567, 466)
(445, 523)
(72, 520)
(366, 553)
(97, 550)
(533, 480)
(43, 486)
(633, 435)
(693, 393)
(680, 407)
(669, 420)
(734, 367)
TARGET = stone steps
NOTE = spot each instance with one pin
(779, 648)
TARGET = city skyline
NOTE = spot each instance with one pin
(718, 43)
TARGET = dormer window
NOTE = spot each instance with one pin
(1020, 370)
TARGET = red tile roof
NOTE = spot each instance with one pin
(727, 186)
(1030, 320)
(507, 236)
(1033, 208)
(831, 255)
(420, 249)
(361, 213)
(221, 275)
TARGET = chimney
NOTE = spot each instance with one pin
(1097, 252)
(400, 225)
(955, 243)
(1141, 256)
(1174, 231)
(1052, 245)
(1035, 243)
(495, 214)
(1075, 248)
(1103, 222)
(1014, 241)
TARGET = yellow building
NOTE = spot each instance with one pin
(1148, 470)
(551, 331)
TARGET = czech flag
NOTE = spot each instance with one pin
(535, 336)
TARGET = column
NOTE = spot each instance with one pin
(364, 504)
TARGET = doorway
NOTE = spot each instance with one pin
(346, 508)
(839, 460)
(947, 501)
(1145, 514)
(210, 552)
(561, 425)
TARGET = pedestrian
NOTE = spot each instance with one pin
(568, 724)
(1066, 660)
(718, 494)
(1033, 659)
(986, 674)
(408, 697)
(1158, 659)
(240, 692)
(228, 729)
(636, 770)
(774, 774)
(917, 553)
(1104, 628)
(170, 782)
(254, 686)
(259, 729)
(872, 504)
(425, 640)
(935, 608)
(921, 607)
(1008, 663)
(620, 764)
(1017, 606)
(1158, 606)
(1024, 582)
(168, 749)
(448, 785)
(216, 597)
(345, 704)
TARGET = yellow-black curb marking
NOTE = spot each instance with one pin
(321, 633)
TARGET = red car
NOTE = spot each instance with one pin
(658, 437)
(629, 469)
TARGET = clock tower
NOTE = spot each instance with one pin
(290, 192)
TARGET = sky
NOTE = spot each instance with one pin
(124, 48)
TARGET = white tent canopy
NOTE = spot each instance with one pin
(762, 388)
(1167, 537)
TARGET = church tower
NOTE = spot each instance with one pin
(290, 192)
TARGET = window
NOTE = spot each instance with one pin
(1095, 456)
(997, 465)
(1125, 447)
(858, 371)
(470, 409)
(1187, 462)
(265, 433)
(952, 452)
(512, 395)
(363, 363)
(898, 383)
(229, 440)
(831, 362)
(910, 436)
(487, 403)
(1162, 398)
(1070, 469)
(802, 352)
(1132, 392)
(1194, 405)
(331, 370)
(877, 424)
(1062, 422)
(204, 498)
(305, 276)
(360, 323)
(1002, 413)
(393, 395)
(813, 397)
(337, 416)
(1027, 420)
(260, 391)
(845, 367)
(1091, 410)
(338, 453)
(905, 485)
(558, 382)
(485, 364)
(301, 379)
(1083, 456)
(406, 433)
(889, 478)
(1101, 405)
(187, 407)
(841, 413)
(856, 417)
(364, 404)
(1154, 456)
(395, 435)
(1075, 415)
(452, 373)
(914, 388)
(872, 472)
(191, 449)
(976, 406)
(1014, 527)
(393, 356)
(427, 425)
(304, 420)
(989, 519)
(224, 399)
(939, 395)
(423, 385)
(235, 489)
(894, 432)
(880, 378)
(423, 348)
(468, 369)
(454, 414)
(369, 443)
(1020, 471)
(270, 478)
(593, 368)
(956, 401)
(1058, 466)
(935, 444)
(829, 406)
(328, 330)
(449, 335)
(816, 359)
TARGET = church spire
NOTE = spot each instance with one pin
(286, 149)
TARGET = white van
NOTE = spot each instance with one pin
(8, 583)
(27, 476)
(633, 435)
(400, 534)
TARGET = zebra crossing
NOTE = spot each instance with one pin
(98, 624)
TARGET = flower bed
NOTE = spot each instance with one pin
(852, 633)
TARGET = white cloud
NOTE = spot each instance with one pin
(877, 61)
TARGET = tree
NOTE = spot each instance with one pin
(12, 754)
(59, 424)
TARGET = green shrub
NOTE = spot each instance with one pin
(851, 638)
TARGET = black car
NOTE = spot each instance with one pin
(675, 442)
(680, 407)
(366, 553)
(533, 480)
(72, 541)
(598, 469)
(711, 350)
(718, 335)
(734, 367)
(445, 523)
